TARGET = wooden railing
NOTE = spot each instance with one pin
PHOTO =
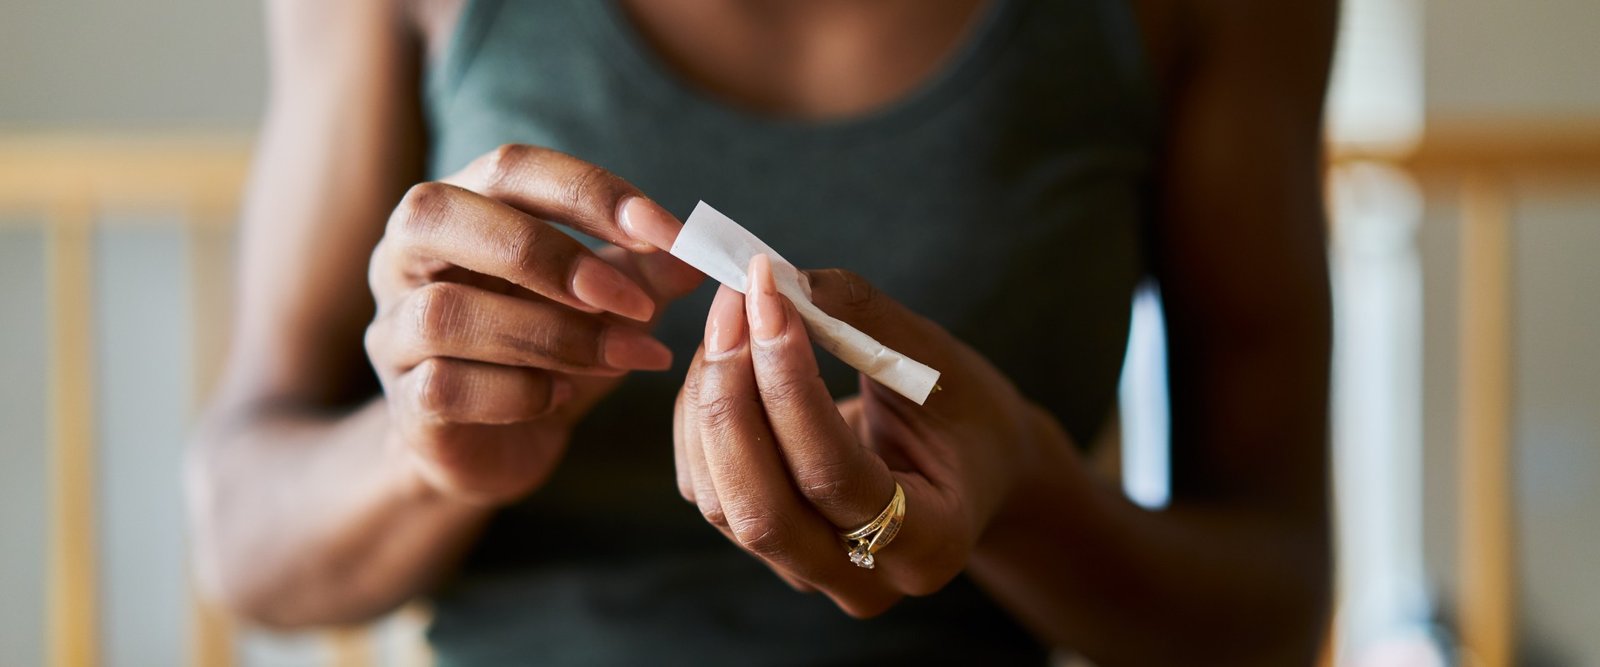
(1484, 160)
(70, 179)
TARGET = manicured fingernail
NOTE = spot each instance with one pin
(601, 285)
(632, 349)
(766, 309)
(725, 324)
(647, 221)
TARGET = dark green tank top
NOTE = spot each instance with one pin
(1003, 198)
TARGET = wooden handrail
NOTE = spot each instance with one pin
(176, 170)
(1551, 146)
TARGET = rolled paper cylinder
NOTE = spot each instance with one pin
(720, 248)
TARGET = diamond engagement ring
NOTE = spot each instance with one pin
(865, 541)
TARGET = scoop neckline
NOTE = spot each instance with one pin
(950, 81)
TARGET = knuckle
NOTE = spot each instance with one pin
(589, 186)
(372, 341)
(689, 393)
(525, 252)
(850, 288)
(438, 311)
(712, 511)
(857, 290)
(421, 209)
(847, 295)
(760, 532)
(678, 440)
(782, 389)
(718, 413)
(828, 484)
(503, 165)
(379, 266)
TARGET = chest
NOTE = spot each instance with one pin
(805, 59)
(786, 58)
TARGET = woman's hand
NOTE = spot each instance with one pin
(781, 470)
(495, 331)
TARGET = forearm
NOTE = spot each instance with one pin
(1088, 570)
(304, 519)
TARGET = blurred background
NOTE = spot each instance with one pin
(1464, 184)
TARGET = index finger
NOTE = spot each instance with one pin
(553, 186)
(445, 223)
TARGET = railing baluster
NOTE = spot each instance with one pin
(351, 647)
(414, 650)
(73, 637)
(1486, 531)
(208, 235)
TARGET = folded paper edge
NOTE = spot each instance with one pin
(904, 375)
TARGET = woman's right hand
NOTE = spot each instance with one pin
(495, 332)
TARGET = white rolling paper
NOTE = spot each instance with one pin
(720, 248)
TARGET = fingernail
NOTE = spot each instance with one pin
(766, 310)
(601, 285)
(647, 221)
(725, 324)
(632, 349)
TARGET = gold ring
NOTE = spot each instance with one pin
(865, 541)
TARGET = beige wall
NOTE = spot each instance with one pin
(150, 63)
(1510, 57)
(1495, 58)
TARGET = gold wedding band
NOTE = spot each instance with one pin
(865, 541)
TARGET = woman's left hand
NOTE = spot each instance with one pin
(781, 469)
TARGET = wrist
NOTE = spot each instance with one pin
(416, 483)
(1046, 461)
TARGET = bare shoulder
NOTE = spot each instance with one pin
(315, 30)
(1293, 40)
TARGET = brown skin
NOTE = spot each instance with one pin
(323, 494)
